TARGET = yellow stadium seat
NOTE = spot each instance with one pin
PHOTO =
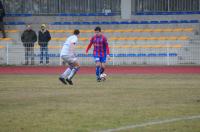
(162, 38)
(84, 39)
(177, 30)
(6, 39)
(108, 31)
(172, 38)
(86, 31)
(183, 38)
(137, 30)
(12, 31)
(188, 30)
(167, 30)
(147, 30)
(2, 47)
(157, 30)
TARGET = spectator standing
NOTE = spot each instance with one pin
(2, 15)
(28, 39)
(43, 38)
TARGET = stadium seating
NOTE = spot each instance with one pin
(128, 30)
(106, 14)
(5, 39)
(169, 13)
(133, 38)
(136, 55)
(125, 22)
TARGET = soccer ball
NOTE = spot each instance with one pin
(103, 76)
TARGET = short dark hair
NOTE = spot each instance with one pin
(97, 29)
(76, 32)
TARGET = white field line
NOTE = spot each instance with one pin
(152, 123)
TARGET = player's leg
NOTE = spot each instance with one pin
(73, 72)
(98, 68)
(66, 72)
(103, 64)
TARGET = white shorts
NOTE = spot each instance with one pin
(69, 59)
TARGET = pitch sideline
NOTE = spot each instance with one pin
(153, 123)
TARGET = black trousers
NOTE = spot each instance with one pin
(29, 53)
(2, 29)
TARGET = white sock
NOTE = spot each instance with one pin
(73, 72)
(66, 73)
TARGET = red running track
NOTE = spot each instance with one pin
(109, 70)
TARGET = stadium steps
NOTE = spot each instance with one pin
(130, 30)
(123, 46)
(133, 38)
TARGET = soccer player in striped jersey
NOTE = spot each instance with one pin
(101, 51)
(68, 55)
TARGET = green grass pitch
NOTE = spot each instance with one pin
(40, 103)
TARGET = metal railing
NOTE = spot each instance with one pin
(41, 7)
(167, 5)
(48, 7)
(122, 53)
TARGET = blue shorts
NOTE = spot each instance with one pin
(100, 59)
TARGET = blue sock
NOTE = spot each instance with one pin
(98, 71)
(102, 70)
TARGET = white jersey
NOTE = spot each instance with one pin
(68, 46)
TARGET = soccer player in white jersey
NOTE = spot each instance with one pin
(68, 55)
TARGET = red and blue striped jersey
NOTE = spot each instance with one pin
(100, 44)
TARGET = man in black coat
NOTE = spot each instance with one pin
(43, 38)
(2, 14)
(28, 39)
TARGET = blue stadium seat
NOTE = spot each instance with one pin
(135, 55)
(18, 15)
(92, 14)
(172, 54)
(144, 22)
(152, 55)
(14, 23)
(76, 23)
(141, 55)
(105, 23)
(124, 22)
(115, 22)
(154, 22)
(184, 21)
(134, 22)
(194, 21)
(83, 14)
(95, 23)
(67, 23)
(164, 22)
(173, 21)
(85, 23)
(169, 13)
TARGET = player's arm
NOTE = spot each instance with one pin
(89, 46)
(107, 47)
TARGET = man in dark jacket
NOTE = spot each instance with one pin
(43, 38)
(2, 14)
(28, 38)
